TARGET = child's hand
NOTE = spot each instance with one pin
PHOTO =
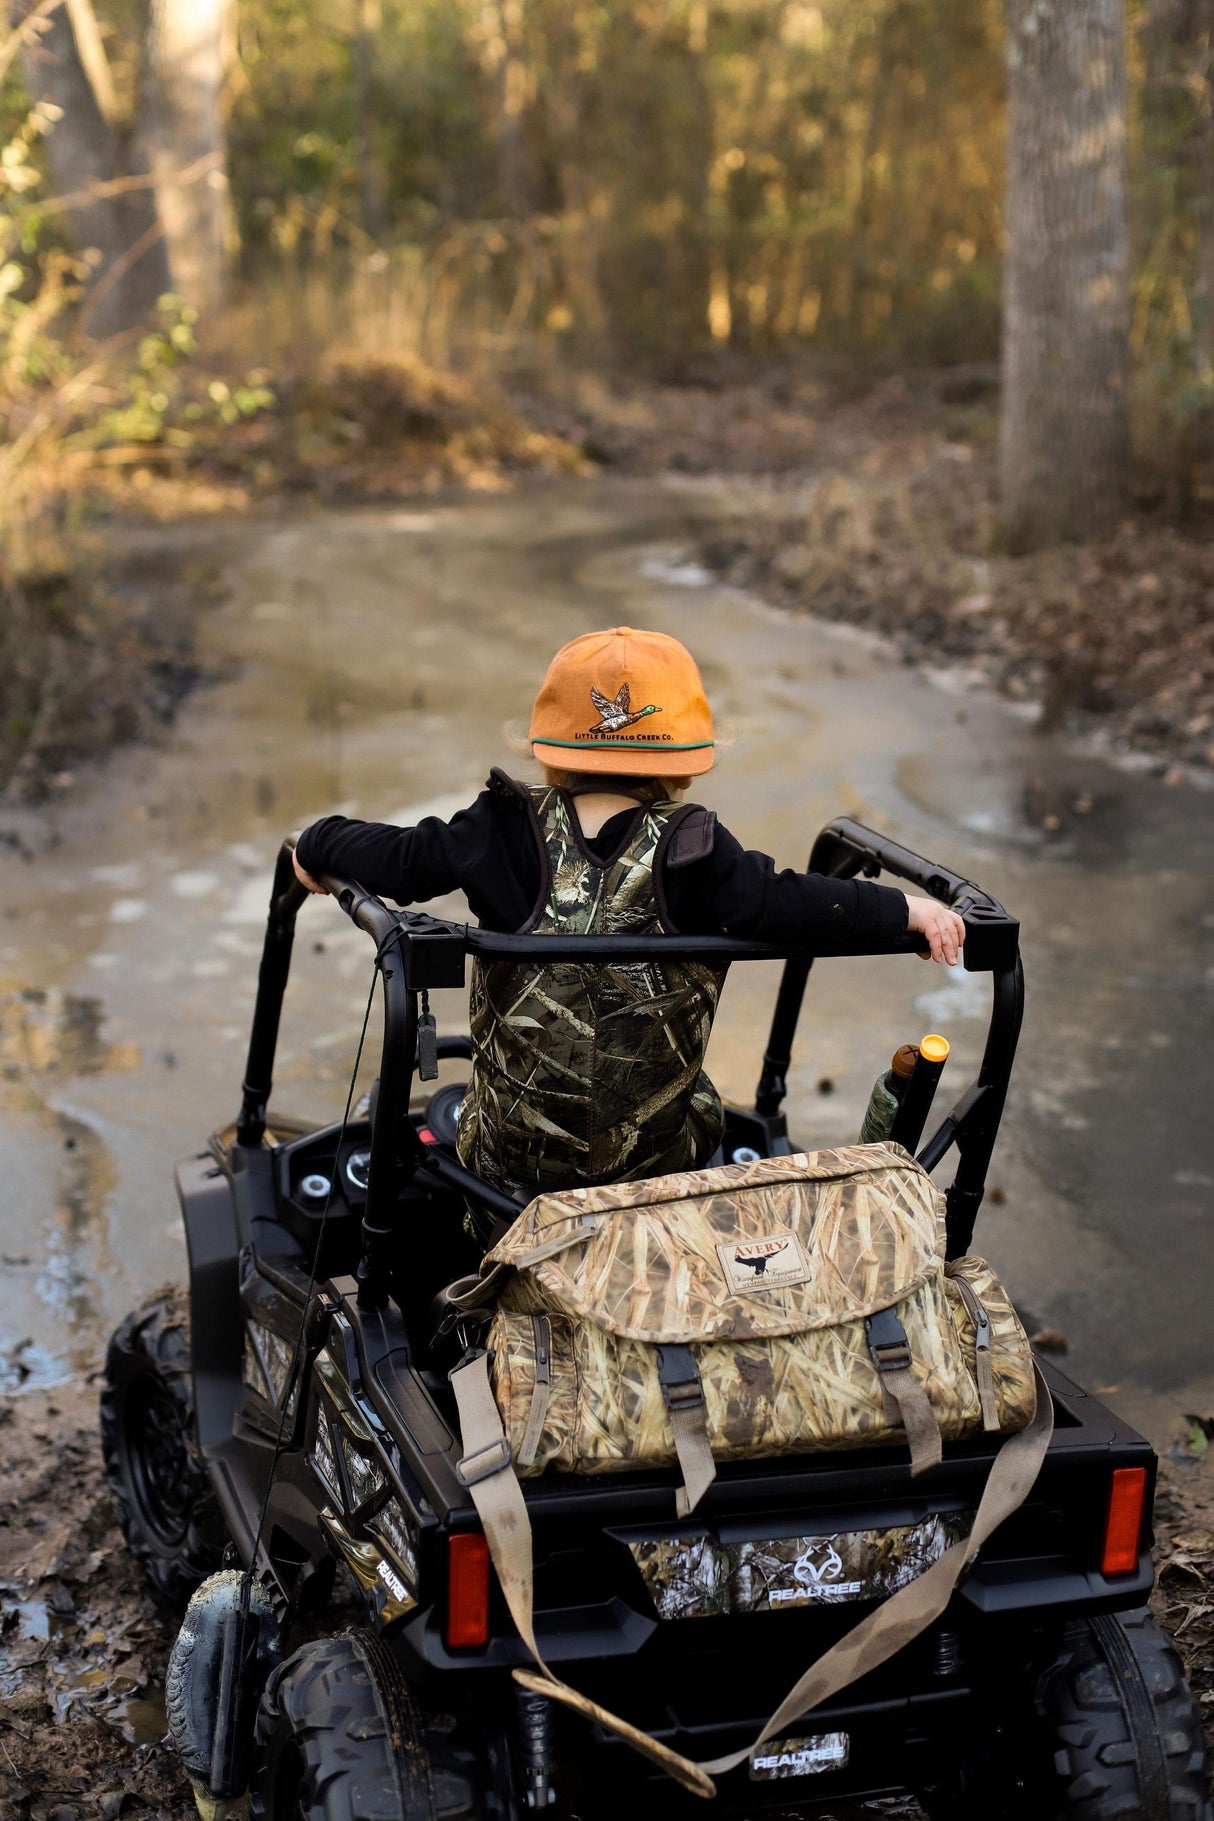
(304, 878)
(944, 930)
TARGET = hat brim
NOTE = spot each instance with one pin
(640, 761)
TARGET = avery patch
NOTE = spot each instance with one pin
(799, 1757)
(772, 1261)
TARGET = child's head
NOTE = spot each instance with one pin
(623, 705)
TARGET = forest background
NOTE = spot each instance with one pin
(361, 247)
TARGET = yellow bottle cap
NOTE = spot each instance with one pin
(934, 1048)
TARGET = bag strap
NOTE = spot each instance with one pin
(489, 1475)
(683, 1394)
(913, 1608)
(487, 1471)
(903, 1398)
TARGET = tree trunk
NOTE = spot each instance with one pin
(505, 42)
(1064, 446)
(367, 22)
(183, 135)
(87, 158)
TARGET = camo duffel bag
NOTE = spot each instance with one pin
(789, 1306)
(772, 1308)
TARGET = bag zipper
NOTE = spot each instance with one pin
(984, 1372)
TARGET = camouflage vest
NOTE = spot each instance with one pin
(585, 1074)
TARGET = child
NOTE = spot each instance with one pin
(583, 1073)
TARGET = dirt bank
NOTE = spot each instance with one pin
(96, 649)
(83, 1644)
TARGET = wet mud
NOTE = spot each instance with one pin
(370, 660)
(83, 1643)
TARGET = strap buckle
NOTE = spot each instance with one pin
(679, 1377)
(491, 1459)
(887, 1341)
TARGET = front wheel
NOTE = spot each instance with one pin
(341, 1737)
(162, 1498)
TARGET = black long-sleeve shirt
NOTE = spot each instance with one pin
(489, 852)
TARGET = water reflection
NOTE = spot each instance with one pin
(46, 1034)
(48, 1039)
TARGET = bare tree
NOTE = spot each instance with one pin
(1064, 451)
(182, 132)
(112, 212)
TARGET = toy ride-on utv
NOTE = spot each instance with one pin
(312, 1409)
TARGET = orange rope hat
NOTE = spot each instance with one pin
(626, 702)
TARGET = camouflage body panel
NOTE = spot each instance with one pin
(784, 1371)
(699, 1577)
(588, 1074)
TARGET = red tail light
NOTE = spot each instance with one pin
(1123, 1526)
(467, 1591)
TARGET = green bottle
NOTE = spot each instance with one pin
(886, 1096)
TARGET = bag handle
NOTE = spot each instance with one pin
(502, 1509)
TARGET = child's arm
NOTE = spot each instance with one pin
(742, 893)
(478, 852)
(408, 865)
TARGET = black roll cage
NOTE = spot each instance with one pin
(416, 952)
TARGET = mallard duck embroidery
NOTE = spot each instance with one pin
(618, 714)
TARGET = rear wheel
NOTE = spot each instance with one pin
(341, 1737)
(163, 1501)
(1125, 1729)
(1107, 1731)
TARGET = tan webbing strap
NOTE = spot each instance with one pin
(484, 1289)
(891, 1355)
(560, 1242)
(542, 1330)
(498, 1497)
(695, 1456)
(913, 1608)
(987, 1400)
(683, 1391)
(916, 1416)
(487, 1472)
